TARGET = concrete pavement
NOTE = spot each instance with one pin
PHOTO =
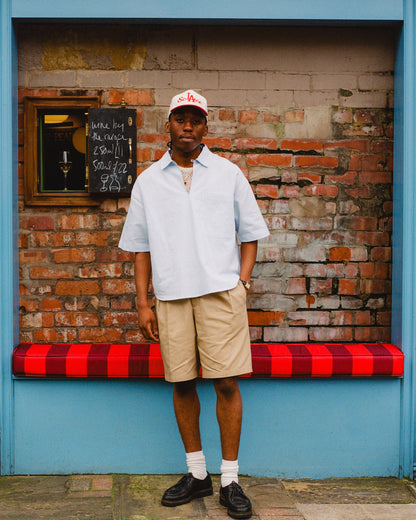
(137, 497)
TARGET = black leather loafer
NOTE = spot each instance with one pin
(237, 503)
(186, 490)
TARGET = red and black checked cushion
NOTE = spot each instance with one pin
(143, 360)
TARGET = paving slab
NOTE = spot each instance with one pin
(358, 511)
(51, 498)
(350, 491)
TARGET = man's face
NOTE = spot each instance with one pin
(187, 126)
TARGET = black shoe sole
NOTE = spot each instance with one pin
(235, 514)
(199, 494)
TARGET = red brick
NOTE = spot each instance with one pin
(51, 304)
(227, 115)
(247, 143)
(77, 287)
(359, 193)
(99, 238)
(294, 116)
(289, 191)
(162, 139)
(315, 178)
(321, 286)
(265, 317)
(47, 273)
(48, 239)
(122, 304)
(77, 221)
(321, 190)
(347, 286)
(362, 318)
(268, 117)
(340, 254)
(383, 318)
(331, 334)
(218, 142)
(32, 257)
(342, 115)
(346, 178)
(121, 318)
(375, 177)
(114, 255)
(382, 146)
(361, 145)
(382, 270)
(38, 223)
(245, 116)
(23, 92)
(351, 270)
(29, 304)
(72, 255)
(269, 159)
(101, 271)
(76, 319)
(296, 286)
(316, 161)
(131, 97)
(370, 334)
(367, 270)
(341, 318)
(296, 145)
(157, 154)
(373, 162)
(144, 155)
(381, 254)
(99, 334)
(267, 190)
(369, 286)
(118, 286)
(373, 238)
(54, 335)
(363, 116)
(352, 222)
(364, 130)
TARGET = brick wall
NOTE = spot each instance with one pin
(306, 113)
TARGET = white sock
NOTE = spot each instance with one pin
(229, 472)
(196, 464)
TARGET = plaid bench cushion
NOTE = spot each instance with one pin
(143, 360)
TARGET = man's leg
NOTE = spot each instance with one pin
(187, 409)
(229, 415)
(197, 483)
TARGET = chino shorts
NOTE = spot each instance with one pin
(210, 332)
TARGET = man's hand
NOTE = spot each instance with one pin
(148, 323)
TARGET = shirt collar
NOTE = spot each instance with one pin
(203, 158)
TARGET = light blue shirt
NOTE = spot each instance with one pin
(192, 237)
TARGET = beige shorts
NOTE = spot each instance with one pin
(210, 331)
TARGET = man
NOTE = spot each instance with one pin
(186, 213)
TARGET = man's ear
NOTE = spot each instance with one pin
(206, 130)
(167, 126)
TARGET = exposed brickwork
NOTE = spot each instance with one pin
(320, 166)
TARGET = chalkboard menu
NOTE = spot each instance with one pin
(111, 151)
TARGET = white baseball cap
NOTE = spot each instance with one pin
(189, 98)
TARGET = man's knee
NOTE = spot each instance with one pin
(185, 388)
(227, 387)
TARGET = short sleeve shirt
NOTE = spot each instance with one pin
(192, 237)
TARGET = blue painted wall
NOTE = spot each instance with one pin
(291, 428)
(264, 10)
